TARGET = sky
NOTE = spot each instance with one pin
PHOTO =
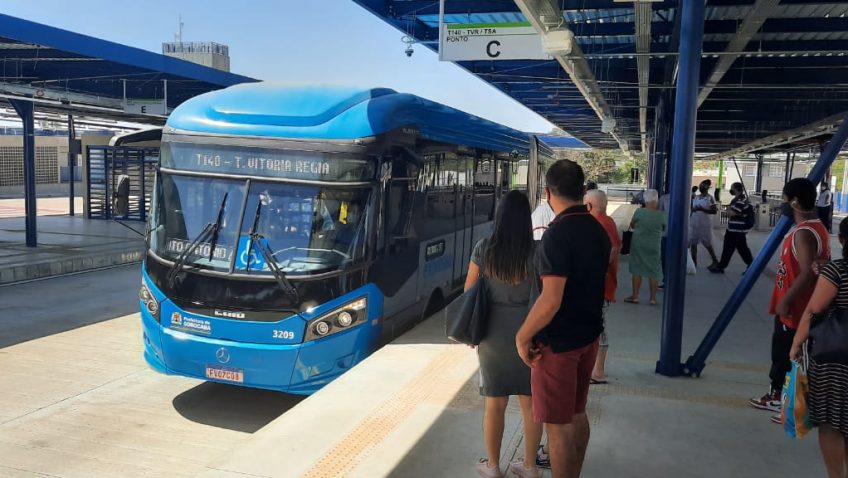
(322, 41)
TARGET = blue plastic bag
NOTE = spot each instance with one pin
(794, 413)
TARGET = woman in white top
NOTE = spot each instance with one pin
(701, 224)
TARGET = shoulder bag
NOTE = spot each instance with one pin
(465, 317)
(828, 341)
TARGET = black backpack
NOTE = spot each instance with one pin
(748, 215)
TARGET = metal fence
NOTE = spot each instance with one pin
(105, 164)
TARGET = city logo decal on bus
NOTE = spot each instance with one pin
(190, 324)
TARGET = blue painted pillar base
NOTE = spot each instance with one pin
(26, 111)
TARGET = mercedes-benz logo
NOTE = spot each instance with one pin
(222, 355)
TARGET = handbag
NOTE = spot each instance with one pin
(465, 317)
(626, 240)
(828, 341)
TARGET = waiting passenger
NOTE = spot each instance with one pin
(828, 382)
(805, 244)
(701, 223)
(596, 203)
(648, 224)
(740, 220)
(506, 261)
(541, 218)
(559, 339)
(824, 204)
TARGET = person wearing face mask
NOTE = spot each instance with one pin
(701, 224)
(807, 243)
(740, 221)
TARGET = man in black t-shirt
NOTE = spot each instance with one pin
(559, 338)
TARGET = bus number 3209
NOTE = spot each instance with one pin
(283, 334)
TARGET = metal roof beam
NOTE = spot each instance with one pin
(574, 64)
(754, 20)
(817, 128)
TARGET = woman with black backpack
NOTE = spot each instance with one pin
(740, 220)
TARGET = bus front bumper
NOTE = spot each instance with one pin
(299, 369)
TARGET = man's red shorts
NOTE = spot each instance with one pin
(560, 383)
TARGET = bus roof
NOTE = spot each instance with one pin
(336, 113)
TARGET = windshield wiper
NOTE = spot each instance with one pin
(210, 229)
(256, 242)
(217, 227)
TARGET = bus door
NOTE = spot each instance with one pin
(463, 219)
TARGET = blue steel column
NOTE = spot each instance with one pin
(72, 159)
(26, 111)
(680, 179)
(696, 362)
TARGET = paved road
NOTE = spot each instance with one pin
(79, 401)
(38, 309)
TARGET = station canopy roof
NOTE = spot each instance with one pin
(66, 72)
(768, 66)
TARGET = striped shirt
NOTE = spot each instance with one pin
(741, 207)
(837, 273)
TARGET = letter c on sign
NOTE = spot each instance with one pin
(493, 54)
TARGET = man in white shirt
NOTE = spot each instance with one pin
(824, 205)
(541, 217)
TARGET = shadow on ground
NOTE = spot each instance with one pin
(232, 407)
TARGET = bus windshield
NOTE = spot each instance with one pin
(304, 229)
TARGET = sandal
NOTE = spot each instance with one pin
(631, 300)
(653, 302)
(597, 381)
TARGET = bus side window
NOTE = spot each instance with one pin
(399, 203)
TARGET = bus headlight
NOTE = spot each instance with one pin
(150, 303)
(343, 318)
(322, 328)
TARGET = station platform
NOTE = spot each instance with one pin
(65, 245)
(79, 400)
(413, 410)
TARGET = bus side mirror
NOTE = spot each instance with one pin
(121, 196)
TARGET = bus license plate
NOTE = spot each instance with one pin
(225, 373)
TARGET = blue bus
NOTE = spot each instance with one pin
(293, 230)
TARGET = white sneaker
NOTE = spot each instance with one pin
(485, 471)
(522, 471)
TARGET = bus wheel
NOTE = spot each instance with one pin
(434, 304)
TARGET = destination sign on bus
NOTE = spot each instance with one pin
(266, 162)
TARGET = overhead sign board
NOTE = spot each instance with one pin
(490, 41)
(145, 106)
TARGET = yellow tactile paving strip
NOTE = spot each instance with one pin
(432, 385)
